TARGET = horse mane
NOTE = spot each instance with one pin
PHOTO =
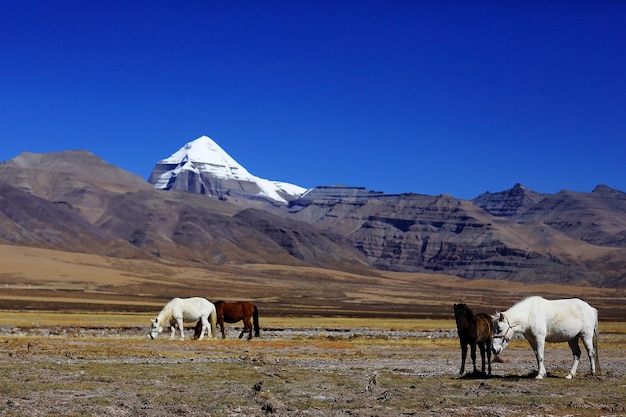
(524, 302)
(514, 306)
(528, 299)
(165, 315)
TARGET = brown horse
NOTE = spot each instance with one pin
(473, 330)
(232, 312)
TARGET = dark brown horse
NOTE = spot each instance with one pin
(473, 330)
(232, 312)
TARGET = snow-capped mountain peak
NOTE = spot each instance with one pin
(206, 168)
(204, 153)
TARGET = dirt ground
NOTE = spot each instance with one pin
(76, 371)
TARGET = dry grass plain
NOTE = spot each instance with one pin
(75, 365)
(39, 279)
(73, 342)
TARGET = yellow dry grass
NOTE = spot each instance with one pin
(31, 319)
(40, 279)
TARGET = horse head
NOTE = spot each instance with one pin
(155, 328)
(502, 333)
(462, 314)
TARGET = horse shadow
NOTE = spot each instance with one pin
(510, 377)
(475, 375)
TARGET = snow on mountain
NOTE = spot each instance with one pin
(205, 156)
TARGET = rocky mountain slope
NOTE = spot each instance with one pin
(530, 238)
(509, 203)
(74, 201)
(597, 218)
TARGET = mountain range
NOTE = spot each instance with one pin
(200, 206)
(568, 237)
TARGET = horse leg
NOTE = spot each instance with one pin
(172, 330)
(255, 322)
(473, 353)
(488, 349)
(220, 321)
(205, 326)
(538, 347)
(463, 356)
(590, 346)
(481, 345)
(247, 327)
(181, 328)
(573, 345)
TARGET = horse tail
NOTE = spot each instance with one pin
(255, 320)
(213, 321)
(596, 358)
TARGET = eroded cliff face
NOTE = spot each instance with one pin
(412, 232)
(598, 218)
(509, 203)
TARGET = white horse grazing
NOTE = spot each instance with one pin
(185, 310)
(541, 320)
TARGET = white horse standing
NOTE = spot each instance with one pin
(185, 310)
(553, 321)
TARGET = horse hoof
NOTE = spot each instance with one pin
(539, 376)
(569, 376)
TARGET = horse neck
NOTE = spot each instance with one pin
(467, 320)
(165, 315)
(517, 317)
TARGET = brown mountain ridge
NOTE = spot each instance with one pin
(76, 202)
(93, 207)
(420, 233)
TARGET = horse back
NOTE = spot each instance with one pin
(484, 326)
(572, 314)
(232, 312)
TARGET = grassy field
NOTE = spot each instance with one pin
(81, 364)
(123, 319)
(30, 319)
(73, 342)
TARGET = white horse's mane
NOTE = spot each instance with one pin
(519, 303)
(165, 315)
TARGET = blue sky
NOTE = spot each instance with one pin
(432, 97)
